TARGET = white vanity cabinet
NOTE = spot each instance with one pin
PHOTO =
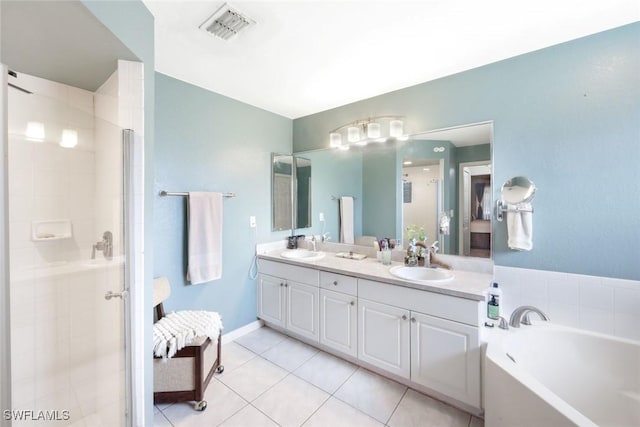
(439, 350)
(383, 337)
(338, 312)
(288, 297)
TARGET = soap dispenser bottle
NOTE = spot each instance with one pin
(493, 302)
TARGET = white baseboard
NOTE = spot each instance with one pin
(237, 333)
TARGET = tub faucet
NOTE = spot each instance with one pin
(521, 316)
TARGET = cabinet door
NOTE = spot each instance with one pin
(338, 321)
(383, 336)
(445, 356)
(271, 298)
(302, 309)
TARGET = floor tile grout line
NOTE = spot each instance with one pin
(406, 390)
(329, 396)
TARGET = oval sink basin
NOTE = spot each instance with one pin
(421, 274)
(302, 254)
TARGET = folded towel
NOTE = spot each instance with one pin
(178, 329)
(520, 227)
(205, 237)
(346, 220)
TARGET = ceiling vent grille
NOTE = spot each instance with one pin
(226, 22)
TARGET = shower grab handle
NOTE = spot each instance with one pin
(121, 295)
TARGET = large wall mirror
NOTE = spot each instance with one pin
(438, 180)
(290, 192)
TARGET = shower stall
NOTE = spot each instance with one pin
(72, 200)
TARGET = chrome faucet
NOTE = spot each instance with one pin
(313, 243)
(521, 316)
(105, 245)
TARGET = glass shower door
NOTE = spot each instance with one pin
(67, 251)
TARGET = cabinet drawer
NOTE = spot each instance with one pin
(444, 306)
(339, 283)
(305, 275)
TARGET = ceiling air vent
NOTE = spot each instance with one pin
(226, 22)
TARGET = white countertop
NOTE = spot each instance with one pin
(465, 284)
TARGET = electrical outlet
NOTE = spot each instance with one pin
(321, 216)
(252, 221)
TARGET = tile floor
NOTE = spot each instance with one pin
(273, 380)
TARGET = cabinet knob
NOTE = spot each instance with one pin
(286, 285)
(335, 283)
(404, 317)
(413, 319)
(281, 284)
(352, 303)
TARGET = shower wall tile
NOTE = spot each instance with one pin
(599, 304)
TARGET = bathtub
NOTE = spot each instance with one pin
(548, 375)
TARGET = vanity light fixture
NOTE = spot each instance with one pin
(373, 129)
(69, 138)
(35, 131)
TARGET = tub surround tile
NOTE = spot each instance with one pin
(599, 304)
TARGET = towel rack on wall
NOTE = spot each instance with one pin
(338, 198)
(502, 207)
(164, 193)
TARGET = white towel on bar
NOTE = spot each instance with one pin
(205, 237)
(346, 220)
(520, 227)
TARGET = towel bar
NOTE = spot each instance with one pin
(164, 193)
(502, 207)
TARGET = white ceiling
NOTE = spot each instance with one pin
(307, 56)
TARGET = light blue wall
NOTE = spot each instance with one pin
(208, 142)
(133, 24)
(568, 117)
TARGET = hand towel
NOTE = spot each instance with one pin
(346, 220)
(205, 237)
(520, 227)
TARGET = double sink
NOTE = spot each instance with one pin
(411, 274)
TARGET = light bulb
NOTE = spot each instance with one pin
(353, 134)
(395, 128)
(335, 140)
(35, 131)
(69, 138)
(373, 130)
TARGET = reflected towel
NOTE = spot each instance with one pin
(520, 227)
(205, 237)
(346, 220)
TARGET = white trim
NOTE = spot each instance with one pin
(5, 342)
(244, 330)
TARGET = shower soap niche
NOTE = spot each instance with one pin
(50, 230)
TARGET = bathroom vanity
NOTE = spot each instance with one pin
(425, 335)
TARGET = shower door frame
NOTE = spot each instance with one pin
(5, 326)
